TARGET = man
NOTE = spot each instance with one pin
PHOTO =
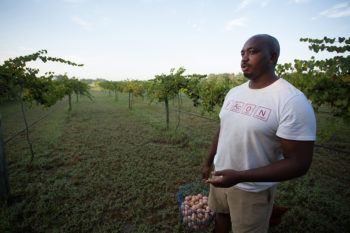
(266, 135)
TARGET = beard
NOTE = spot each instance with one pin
(249, 76)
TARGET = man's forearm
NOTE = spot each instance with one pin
(279, 171)
(213, 148)
(296, 162)
(298, 157)
(210, 157)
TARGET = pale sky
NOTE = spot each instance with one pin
(137, 39)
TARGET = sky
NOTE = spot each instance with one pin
(138, 39)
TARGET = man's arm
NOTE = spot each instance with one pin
(210, 158)
(296, 162)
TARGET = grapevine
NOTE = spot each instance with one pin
(324, 81)
(23, 83)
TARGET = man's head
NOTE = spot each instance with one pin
(259, 55)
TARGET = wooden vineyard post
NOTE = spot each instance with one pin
(4, 180)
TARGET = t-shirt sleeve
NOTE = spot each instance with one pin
(297, 121)
(225, 101)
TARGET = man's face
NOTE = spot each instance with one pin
(255, 58)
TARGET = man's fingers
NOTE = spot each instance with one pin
(217, 173)
(214, 181)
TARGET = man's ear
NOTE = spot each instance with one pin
(273, 58)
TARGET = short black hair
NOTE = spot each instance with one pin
(274, 45)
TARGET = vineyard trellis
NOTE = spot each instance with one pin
(4, 180)
(6, 140)
(18, 81)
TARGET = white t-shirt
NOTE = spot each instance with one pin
(251, 122)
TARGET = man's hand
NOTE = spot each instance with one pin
(225, 178)
(206, 172)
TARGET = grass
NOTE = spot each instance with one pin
(105, 168)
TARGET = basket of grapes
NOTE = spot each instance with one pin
(193, 205)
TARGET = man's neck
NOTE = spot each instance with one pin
(263, 81)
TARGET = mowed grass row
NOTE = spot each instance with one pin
(102, 168)
(105, 168)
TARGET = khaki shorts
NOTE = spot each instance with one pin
(249, 211)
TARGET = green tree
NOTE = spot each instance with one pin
(112, 86)
(166, 86)
(105, 85)
(81, 88)
(325, 81)
(134, 88)
(192, 87)
(212, 90)
(68, 87)
(23, 82)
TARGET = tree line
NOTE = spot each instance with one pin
(206, 91)
(324, 81)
